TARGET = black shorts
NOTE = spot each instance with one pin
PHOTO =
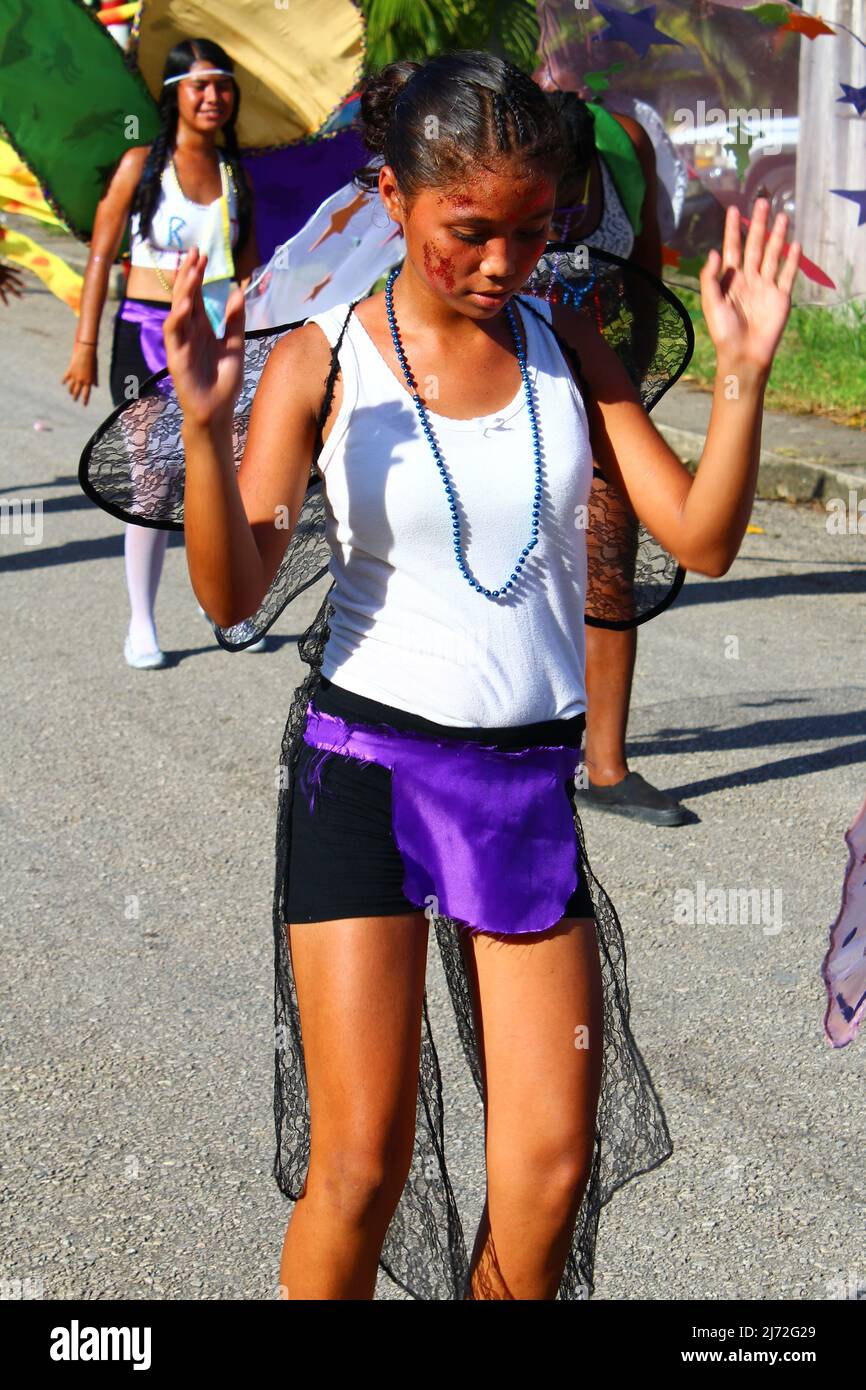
(344, 860)
(127, 358)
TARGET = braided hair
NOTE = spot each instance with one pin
(580, 130)
(431, 121)
(146, 197)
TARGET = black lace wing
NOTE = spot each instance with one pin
(630, 576)
(133, 467)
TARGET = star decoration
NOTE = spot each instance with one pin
(317, 289)
(859, 198)
(637, 30)
(807, 24)
(741, 144)
(856, 96)
(340, 219)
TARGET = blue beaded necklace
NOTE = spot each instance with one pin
(510, 583)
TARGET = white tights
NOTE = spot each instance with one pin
(144, 552)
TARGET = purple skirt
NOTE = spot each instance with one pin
(486, 835)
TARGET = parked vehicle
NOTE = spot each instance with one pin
(772, 171)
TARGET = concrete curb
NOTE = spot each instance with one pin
(794, 477)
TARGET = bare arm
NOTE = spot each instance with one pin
(701, 521)
(647, 249)
(235, 541)
(112, 213)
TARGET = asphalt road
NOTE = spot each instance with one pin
(138, 823)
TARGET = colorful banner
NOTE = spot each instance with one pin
(55, 274)
(19, 190)
(69, 104)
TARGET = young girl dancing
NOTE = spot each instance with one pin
(457, 450)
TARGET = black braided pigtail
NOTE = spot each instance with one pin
(147, 193)
(233, 157)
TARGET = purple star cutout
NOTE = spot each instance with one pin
(637, 30)
(856, 96)
(858, 198)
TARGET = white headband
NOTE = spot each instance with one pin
(208, 72)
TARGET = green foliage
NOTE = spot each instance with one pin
(820, 367)
(417, 29)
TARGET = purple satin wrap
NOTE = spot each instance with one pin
(488, 833)
(150, 318)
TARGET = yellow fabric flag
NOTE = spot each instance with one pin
(55, 274)
(20, 191)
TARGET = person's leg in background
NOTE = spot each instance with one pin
(612, 541)
(144, 553)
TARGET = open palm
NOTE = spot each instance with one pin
(747, 308)
(207, 371)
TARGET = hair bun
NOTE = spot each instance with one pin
(378, 99)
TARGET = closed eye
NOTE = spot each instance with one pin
(479, 240)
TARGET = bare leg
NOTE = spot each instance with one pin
(360, 986)
(541, 1039)
(610, 660)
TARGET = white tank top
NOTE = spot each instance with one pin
(407, 629)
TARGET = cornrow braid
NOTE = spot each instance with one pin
(513, 99)
(499, 117)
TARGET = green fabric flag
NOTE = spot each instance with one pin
(69, 105)
(620, 156)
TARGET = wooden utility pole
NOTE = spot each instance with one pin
(831, 153)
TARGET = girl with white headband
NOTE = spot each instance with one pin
(182, 190)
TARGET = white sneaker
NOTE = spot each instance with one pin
(143, 661)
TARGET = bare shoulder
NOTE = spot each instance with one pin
(644, 147)
(132, 161)
(299, 363)
(127, 172)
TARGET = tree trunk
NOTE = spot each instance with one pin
(831, 154)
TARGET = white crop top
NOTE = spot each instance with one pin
(407, 629)
(179, 224)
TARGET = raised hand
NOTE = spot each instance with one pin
(207, 371)
(747, 308)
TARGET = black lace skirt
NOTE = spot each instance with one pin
(424, 1251)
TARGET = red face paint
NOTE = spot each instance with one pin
(438, 267)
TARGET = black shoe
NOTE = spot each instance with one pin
(635, 797)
